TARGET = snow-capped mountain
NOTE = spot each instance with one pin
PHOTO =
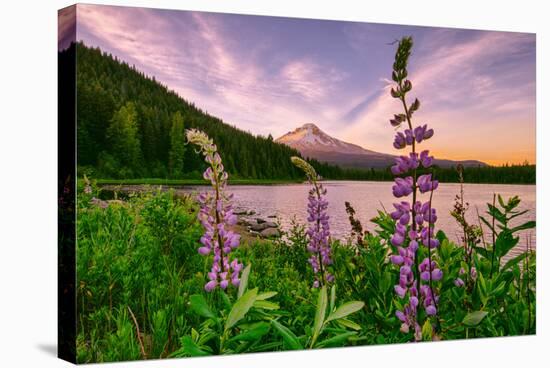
(312, 142)
(309, 137)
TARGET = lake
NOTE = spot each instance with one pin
(290, 200)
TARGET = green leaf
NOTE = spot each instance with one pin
(499, 289)
(427, 331)
(483, 252)
(189, 347)
(501, 201)
(266, 295)
(200, 307)
(514, 261)
(240, 308)
(518, 214)
(253, 334)
(498, 215)
(473, 319)
(288, 336)
(335, 340)
(348, 324)
(332, 297)
(244, 281)
(482, 288)
(525, 226)
(264, 304)
(320, 313)
(504, 243)
(440, 235)
(345, 310)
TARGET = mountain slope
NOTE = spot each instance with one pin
(105, 85)
(312, 142)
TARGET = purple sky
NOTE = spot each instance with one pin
(270, 75)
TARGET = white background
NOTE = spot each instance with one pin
(28, 149)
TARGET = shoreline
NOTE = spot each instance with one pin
(201, 182)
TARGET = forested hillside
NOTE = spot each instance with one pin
(130, 125)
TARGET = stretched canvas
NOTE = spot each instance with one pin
(233, 183)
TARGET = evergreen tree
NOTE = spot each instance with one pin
(177, 146)
(123, 139)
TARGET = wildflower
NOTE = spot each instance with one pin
(425, 159)
(403, 187)
(318, 231)
(426, 184)
(399, 141)
(473, 273)
(216, 215)
(414, 221)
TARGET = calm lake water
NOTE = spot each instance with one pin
(290, 200)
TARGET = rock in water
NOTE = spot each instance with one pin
(260, 220)
(259, 227)
(270, 232)
(270, 224)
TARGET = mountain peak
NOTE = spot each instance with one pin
(309, 137)
(309, 126)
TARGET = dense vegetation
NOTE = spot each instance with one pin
(131, 126)
(141, 287)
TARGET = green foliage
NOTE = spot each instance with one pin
(177, 146)
(124, 143)
(138, 258)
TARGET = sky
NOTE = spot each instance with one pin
(269, 75)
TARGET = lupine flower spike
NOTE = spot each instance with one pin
(318, 231)
(415, 219)
(216, 215)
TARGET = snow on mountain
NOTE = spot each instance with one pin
(310, 137)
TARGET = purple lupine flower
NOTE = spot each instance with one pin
(403, 187)
(318, 231)
(473, 273)
(425, 159)
(426, 184)
(399, 141)
(216, 215)
(409, 137)
(459, 282)
(415, 220)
